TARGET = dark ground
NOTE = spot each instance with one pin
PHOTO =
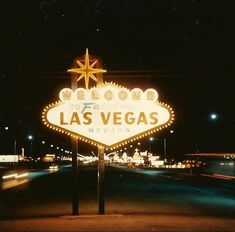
(128, 191)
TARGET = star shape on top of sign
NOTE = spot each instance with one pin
(107, 115)
(86, 70)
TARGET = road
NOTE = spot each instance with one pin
(128, 191)
(24, 176)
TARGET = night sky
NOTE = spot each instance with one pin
(184, 49)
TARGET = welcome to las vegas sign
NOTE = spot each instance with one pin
(108, 115)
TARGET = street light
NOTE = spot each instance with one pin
(213, 116)
(30, 138)
(165, 146)
(6, 128)
(42, 148)
(150, 140)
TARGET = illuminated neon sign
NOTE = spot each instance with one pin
(108, 115)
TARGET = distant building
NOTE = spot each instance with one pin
(48, 158)
(9, 158)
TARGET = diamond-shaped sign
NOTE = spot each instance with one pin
(108, 115)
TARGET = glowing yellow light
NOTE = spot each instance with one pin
(86, 70)
(9, 176)
(22, 175)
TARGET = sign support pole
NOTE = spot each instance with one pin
(101, 190)
(165, 159)
(75, 203)
(101, 164)
(74, 145)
